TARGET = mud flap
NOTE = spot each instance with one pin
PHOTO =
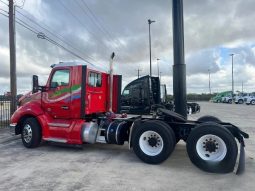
(240, 135)
(136, 123)
(241, 164)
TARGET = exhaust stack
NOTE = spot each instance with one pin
(179, 67)
(111, 81)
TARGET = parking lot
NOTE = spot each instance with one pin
(110, 167)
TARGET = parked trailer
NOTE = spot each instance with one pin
(74, 107)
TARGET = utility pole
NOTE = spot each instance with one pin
(13, 80)
(179, 67)
(158, 66)
(149, 22)
(232, 55)
(209, 81)
(138, 72)
(242, 87)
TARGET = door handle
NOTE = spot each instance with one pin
(65, 107)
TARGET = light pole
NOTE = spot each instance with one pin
(13, 75)
(232, 55)
(209, 80)
(149, 22)
(158, 66)
(138, 72)
(242, 87)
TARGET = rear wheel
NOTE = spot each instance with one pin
(171, 131)
(212, 148)
(153, 142)
(252, 102)
(31, 133)
(230, 101)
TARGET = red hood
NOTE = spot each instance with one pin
(28, 97)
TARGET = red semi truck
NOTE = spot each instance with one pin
(78, 105)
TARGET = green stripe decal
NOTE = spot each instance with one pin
(65, 90)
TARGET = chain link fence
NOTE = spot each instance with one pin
(5, 111)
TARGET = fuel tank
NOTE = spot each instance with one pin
(89, 132)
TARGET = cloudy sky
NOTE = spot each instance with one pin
(92, 29)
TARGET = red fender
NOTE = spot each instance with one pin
(31, 109)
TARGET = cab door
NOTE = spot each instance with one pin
(57, 99)
(96, 93)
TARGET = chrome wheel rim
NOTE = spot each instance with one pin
(151, 143)
(27, 133)
(211, 148)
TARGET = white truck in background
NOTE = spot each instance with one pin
(227, 98)
(240, 97)
(250, 99)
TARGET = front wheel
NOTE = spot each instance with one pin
(212, 148)
(240, 101)
(153, 142)
(31, 133)
(252, 102)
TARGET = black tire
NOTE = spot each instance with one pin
(167, 136)
(31, 125)
(218, 165)
(230, 101)
(252, 102)
(171, 131)
(240, 101)
(209, 118)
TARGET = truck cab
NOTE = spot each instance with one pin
(239, 98)
(228, 98)
(250, 99)
(219, 97)
(74, 93)
(145, 95)
(138, 96)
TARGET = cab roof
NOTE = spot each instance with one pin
(78, 63)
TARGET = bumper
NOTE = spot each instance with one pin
(12, 128)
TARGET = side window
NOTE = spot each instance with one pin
(60, 78)
(95, 79)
